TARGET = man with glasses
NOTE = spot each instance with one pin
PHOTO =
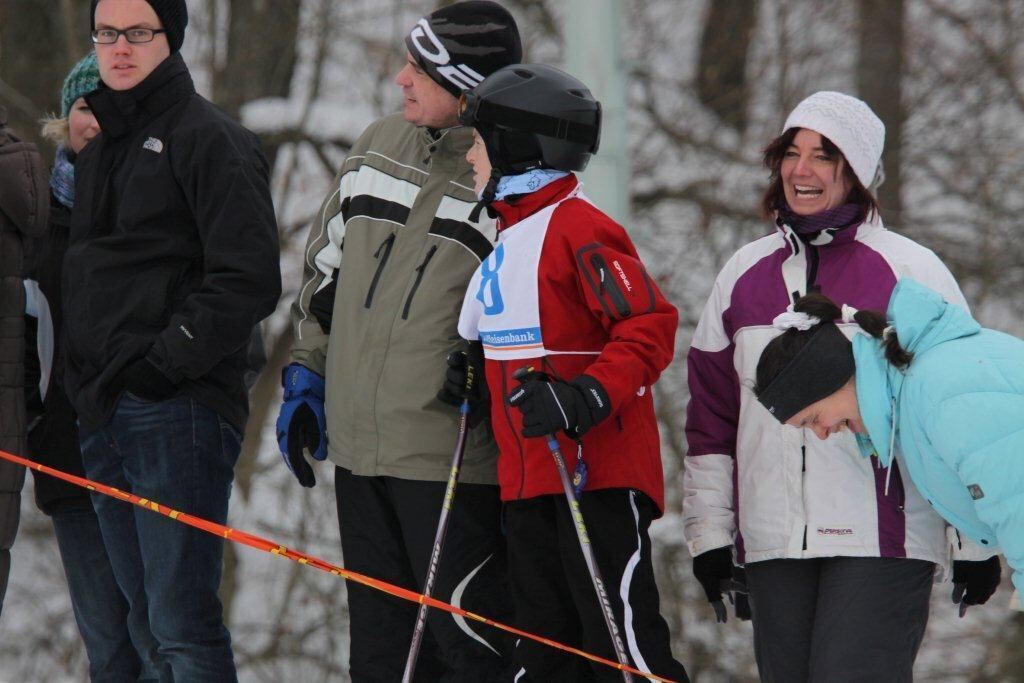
(388, 261)
(173, 261)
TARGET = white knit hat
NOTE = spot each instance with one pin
(849, 123)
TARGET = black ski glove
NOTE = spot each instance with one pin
(975, 582)
(453, 391)
(715, 572)
(144, 380)
(548, 407)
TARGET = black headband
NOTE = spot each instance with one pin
(818, 370)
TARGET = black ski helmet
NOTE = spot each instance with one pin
(533, 116)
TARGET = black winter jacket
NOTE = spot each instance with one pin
(24, 209)
(23, 214)
(174, 251)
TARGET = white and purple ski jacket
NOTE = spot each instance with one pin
(776, 491)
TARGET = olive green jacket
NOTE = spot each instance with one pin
(386, 267)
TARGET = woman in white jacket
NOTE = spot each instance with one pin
(840, 554)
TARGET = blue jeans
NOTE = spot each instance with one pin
(115, 631)
(181, 454)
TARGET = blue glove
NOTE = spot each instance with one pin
(301, 425)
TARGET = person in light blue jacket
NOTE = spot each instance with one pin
(927, 384)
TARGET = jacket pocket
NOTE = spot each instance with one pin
(419, 278)
(382, 254)
(618, 282)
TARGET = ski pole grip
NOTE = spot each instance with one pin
(528, 373)
(470, 380)
(470, 374)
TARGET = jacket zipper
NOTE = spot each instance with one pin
(812, 271)
(803, 479)
(382, 260)
(512, 430)
(901, 495)
(419, 278)
(812, 276)
(614, 292)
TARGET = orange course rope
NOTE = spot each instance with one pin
(263, 544)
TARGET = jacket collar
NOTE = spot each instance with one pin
(519, 207)
(828, 238)
(878, 389)
(455, 140)
(119, 112)
(922, 320)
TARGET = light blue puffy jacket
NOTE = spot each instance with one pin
(959, 414)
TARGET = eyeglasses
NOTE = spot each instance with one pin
(109, 36)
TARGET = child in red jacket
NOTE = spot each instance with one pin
(565, 292)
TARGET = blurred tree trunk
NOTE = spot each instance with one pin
(261, 53)
(722, 72)
(880, 84)
(262, 50)
(39, 42)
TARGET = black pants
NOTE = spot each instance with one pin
(387, 532)
(554, 596)
(839, 619)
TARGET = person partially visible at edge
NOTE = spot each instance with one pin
(23, 215)
(839, 566)
(564, 291)
(172, 262)
(115, 631)
(387, 262)
(927, 387)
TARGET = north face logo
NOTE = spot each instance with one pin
(153, 145)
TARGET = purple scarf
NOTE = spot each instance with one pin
(834, 220)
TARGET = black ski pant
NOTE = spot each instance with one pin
(554, 596)
(387, 532)
(839, 619)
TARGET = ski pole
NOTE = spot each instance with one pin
(442, 529)
(523, 375)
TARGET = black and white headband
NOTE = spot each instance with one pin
(817, 371)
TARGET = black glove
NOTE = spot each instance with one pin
(143, 380)
(716, 574)
(453, 391)
(548, 407)
(975, 582)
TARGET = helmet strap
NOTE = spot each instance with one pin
(487, 196)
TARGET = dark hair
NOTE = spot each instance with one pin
(774, 194)
(780, 351)
(875, 324)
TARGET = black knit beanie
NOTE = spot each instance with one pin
(173, 14)
(462, 44)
